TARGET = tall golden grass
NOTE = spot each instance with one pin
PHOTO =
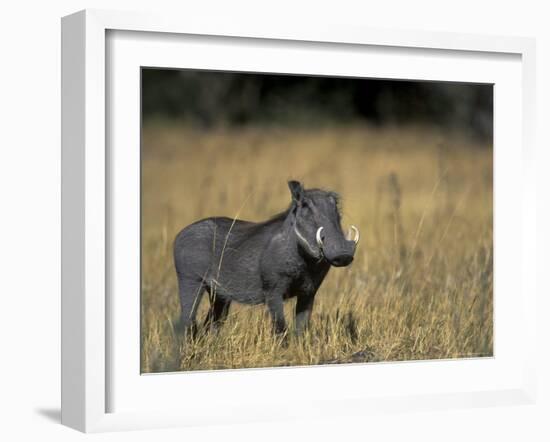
(421, 285)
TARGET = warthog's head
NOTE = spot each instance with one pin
(317, 225)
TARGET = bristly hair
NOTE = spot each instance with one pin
(279, 216)
(309, 192)
(316, 190)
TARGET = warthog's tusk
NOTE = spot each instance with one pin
(356, 231)
(318, 237)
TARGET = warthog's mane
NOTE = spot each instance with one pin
(309, 193)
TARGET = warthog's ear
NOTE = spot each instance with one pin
(296, 190)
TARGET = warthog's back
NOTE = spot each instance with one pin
(225, 254)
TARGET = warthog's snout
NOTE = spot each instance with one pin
(342, 257)
(338, 253)
(342, 260)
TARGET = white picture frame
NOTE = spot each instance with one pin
(87, 207)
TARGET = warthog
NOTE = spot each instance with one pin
(268, 262)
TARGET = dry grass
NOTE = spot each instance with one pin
(421, 286)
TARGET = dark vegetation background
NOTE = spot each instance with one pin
(413, 162)
(211, 98)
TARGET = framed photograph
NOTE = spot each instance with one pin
(292, 222)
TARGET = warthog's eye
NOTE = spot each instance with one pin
(306, 205)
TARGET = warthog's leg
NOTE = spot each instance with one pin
(219, 309)
(274, 301)
(191, 292)
(304, 305)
